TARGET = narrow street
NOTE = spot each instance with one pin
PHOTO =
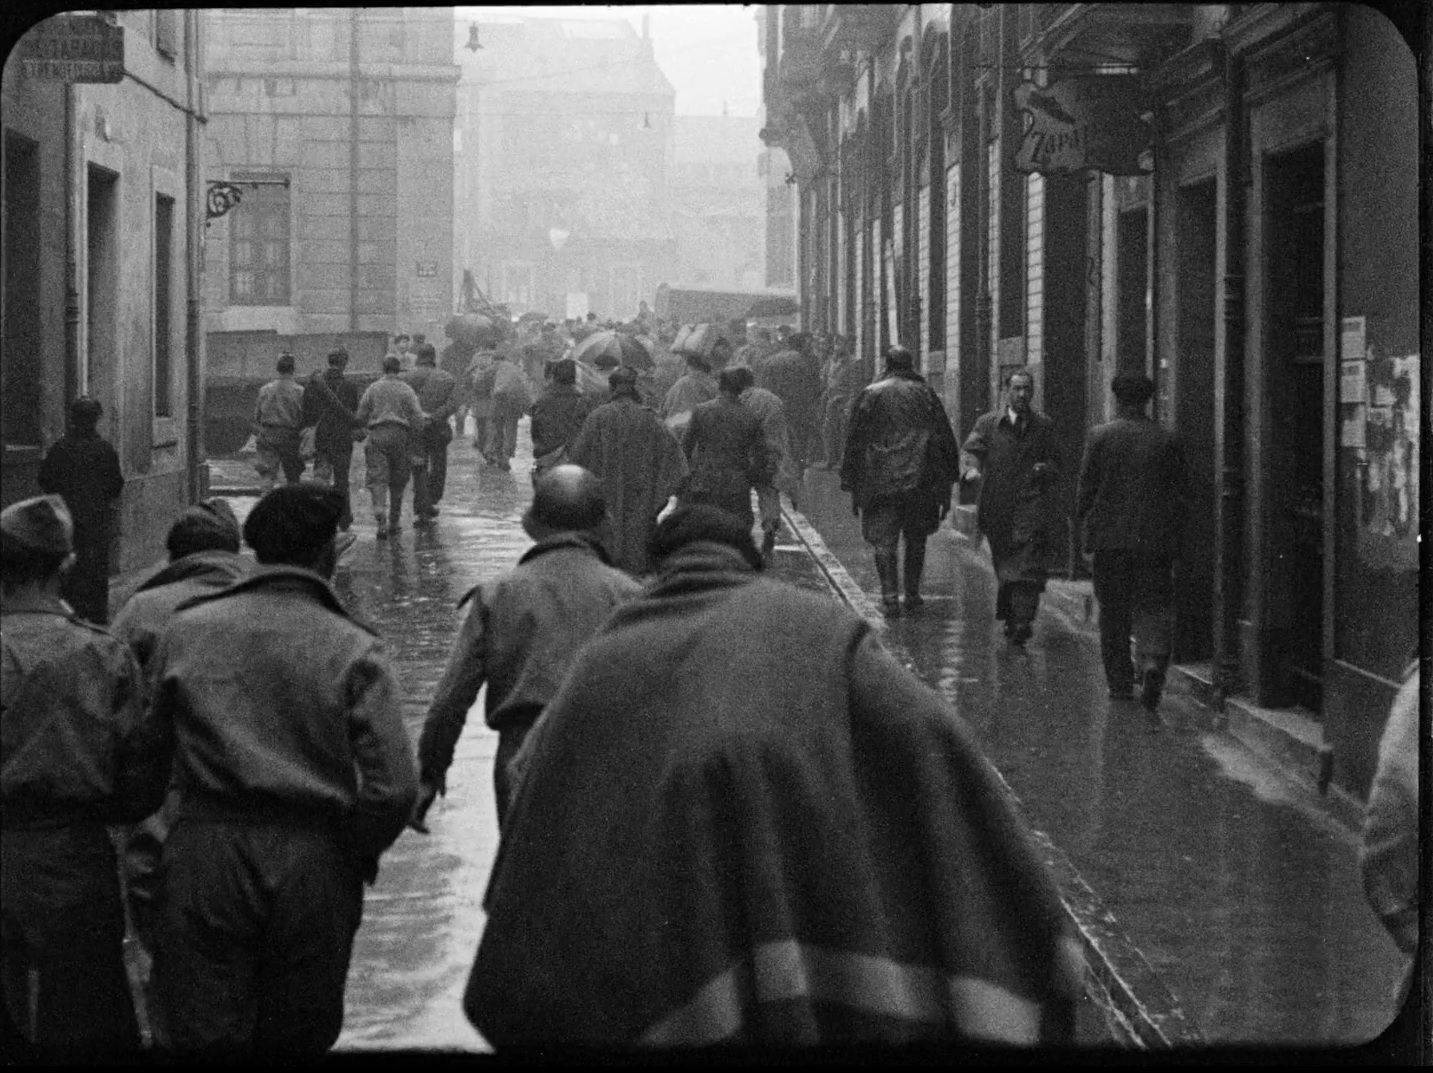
(1218, 901)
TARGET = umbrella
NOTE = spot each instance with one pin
(469, 329)
(627, 349)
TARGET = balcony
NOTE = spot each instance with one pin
(1134, 35)
(857, 27)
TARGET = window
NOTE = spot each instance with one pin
(163, 305)
(20, 360)
(166, 31)
(259, 244)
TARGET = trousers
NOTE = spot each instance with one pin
(255, 932)
(1136, 595)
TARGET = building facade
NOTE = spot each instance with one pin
(102, 239)
(353, 109)
(718, 203)
(1256, 253)
(565, 151)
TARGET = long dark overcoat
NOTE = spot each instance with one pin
(1019, 506)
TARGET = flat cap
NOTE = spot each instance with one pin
(42, 524)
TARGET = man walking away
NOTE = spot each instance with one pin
(556, 417)
(524, 630)
(77, 752)
(899, 464)
(794, 376)
(1013, 454)
(728, 836)
(726, 451)
(390, 411)
(203, 546)
(330, 402)
(512, 397)
(1131, 506)
(772, 416)
(640, 464)
(278, 416)
(480, 400)
(439, 396)
(292, 782)
(82, 468)
(694, 387)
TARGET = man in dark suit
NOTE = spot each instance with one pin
(1132, 504)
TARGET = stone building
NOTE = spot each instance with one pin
(1224, 196)
(353, 108)
(565, 153)
(718, 203)
(102, 237)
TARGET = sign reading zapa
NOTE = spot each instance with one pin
(74, 48)
(1082, 124)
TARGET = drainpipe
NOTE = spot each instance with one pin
(1228, 579)
(353, 13)
(197, 482)
(72, 269)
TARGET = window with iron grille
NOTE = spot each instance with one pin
(259, 247)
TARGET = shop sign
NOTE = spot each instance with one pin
(74, 48)
(1083, 124)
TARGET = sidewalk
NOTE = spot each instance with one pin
(1205, 873)
(1287, 738)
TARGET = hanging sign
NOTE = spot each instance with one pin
(1082, 124)
(73, 48)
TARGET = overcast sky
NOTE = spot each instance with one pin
(707, 51)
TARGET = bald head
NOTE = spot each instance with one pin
(566, 499)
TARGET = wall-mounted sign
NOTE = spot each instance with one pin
(1082, 124)
(73, 48)
(427, 269)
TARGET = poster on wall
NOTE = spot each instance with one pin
(1353, 334)
(1388, 462)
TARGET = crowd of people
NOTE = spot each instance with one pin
(727, 814)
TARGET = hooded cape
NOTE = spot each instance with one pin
(761, 836)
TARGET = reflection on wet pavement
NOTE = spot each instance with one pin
(1238, 890)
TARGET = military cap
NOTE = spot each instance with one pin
(42, 524)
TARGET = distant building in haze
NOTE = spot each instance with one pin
(361, 239)
(718, 202)
(564, 149)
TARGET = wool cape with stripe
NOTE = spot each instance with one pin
(741, 821)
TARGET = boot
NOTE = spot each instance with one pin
(888, 571)
(768, 540)
(915, 565)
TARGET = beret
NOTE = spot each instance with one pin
(701, 521)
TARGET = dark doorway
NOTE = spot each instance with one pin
(1293, 486)
(102, 282)
(21, 367)
(1132, 287)
(1196, 230)
(1064, 395)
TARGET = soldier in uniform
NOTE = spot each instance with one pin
(77, 752)
(293, 778)
(278, 417)
(439, 395)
